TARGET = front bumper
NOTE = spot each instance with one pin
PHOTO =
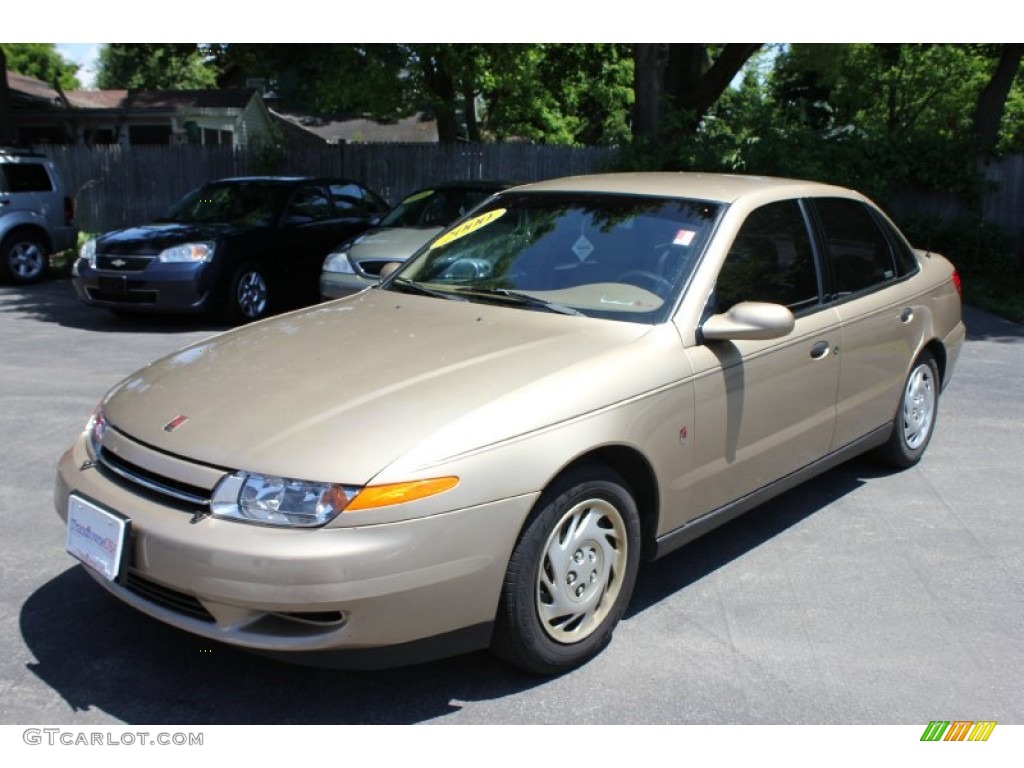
(156, 288)
(313, 592)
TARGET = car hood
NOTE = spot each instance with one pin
(153, 238)
(340, 391)
(391, 242)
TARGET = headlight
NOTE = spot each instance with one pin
(88, 252)
(338, 262)
(94, 431)
(281, 501)
(189, 253)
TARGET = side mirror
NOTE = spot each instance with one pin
(387, 270)
(749, 320)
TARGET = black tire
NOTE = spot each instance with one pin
(914, 423)
(23, 258)
(248, 295)
(571, 573)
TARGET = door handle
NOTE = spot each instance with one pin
(819, 350)
(907, 315)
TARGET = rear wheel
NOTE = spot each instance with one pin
(248, 295)
(23, 258)
(915, 420)
(571, 573)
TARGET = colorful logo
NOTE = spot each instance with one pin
(958, 730)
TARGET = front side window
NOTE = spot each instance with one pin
(857, 251)
(770, 260)
(620, 257)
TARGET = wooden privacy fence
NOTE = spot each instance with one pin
(116, 187)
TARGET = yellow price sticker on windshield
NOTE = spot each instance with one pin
(418, 196)
(468, 227)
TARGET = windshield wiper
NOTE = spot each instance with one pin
(525, 299)
(411, 287)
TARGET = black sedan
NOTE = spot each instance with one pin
(241, 247)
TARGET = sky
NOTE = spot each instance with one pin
(85, 56)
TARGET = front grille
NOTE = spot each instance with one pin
(123, 263)
(166, 597)
(164, 489)
(131, 297)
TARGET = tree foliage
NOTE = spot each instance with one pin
(555, 93)
(43, 62)
(163, 66)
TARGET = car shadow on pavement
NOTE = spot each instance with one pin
(98, 653)
(55, 302)
(721, 546)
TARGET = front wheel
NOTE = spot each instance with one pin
(571, 573)
(915, 420)
(248, 295)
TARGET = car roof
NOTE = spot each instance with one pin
(281, 179)
(714, 187)
(489, 184)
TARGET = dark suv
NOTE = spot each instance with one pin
(36, 216)
(237, 246)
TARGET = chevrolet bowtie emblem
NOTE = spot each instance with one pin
(119, 262)
(174, 423)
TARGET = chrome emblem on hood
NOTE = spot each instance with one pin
(119, 262)
(174, 423)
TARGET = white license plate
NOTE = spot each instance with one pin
(96, 536)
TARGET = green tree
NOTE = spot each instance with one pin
(164, 66)
(545, 92)
(560, 93)
(43, 62)
(677, 83)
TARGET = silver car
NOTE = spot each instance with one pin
(356, 264)
(582, 375)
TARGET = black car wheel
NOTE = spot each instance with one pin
(248, 295)
(23, 258)
(571, 573)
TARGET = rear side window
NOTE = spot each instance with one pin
(857, 250)
(353, 200)
(26, 177)
(309, 204)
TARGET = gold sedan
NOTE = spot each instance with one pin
(479, 452)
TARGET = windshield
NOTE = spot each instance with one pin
(254, 203)
(602, 255)
(434, 207)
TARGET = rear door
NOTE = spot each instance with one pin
(882, 322)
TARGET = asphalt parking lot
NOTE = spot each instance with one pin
(864, 596)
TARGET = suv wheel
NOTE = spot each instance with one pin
(23, 258)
